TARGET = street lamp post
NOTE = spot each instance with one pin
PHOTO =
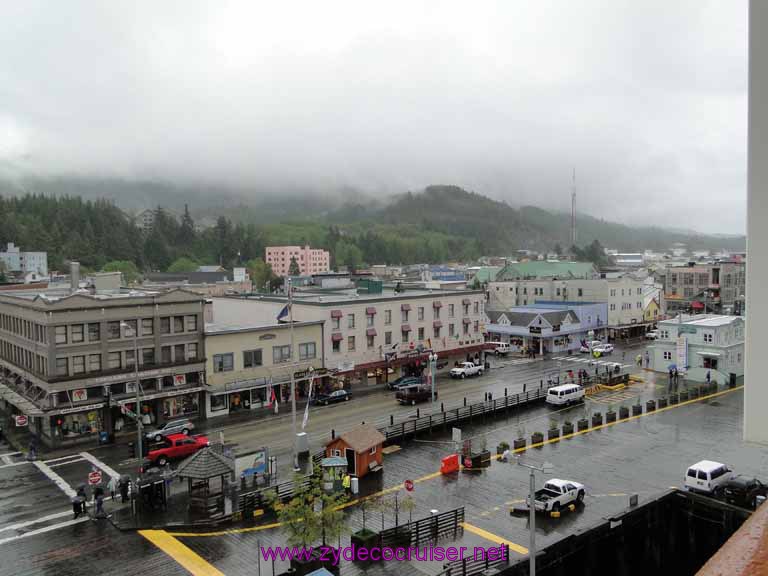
(547, 469)
(293, 379)
(432, 368)
(123, 326)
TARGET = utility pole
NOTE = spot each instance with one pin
(293, 380)
(573, 209)
(140, 453)
(547, 469)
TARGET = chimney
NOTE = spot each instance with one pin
(74, 276)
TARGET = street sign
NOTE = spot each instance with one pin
(125, 410)
(408, 485)
(21, 420)
(94, 477)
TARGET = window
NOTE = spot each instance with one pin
(466, 309)
(165, 355)
(113, 330)
(147, 356)
(191, 323)
(436, 313)
(451, 330)
(252, 358)
(387, 316)
(404, 336)
(77, 333)
(613, 291)
(667, 355)
(477, 326)
(388, 338)
(581, 292)
(130, 358)
(437, 331)
(281, 354)
(639, 305)
(466, 328)
(113, 361)
(192, 351)
(421, 333)
(130, 329)
(372, 450)
(708, 338)
(336, 345)
(178, 323)
(691, 473)
(451, 308)
(639, 291)
(420, 313)
(557, 291)
(165, 325)
(369, 320)
(477, 307)
(94, 332)
(404, 315)
(147, 326)
(350, 320)
(335, 323)
(94, 363)
(61, 367)
(307, 351)
(370, 341)
(61, 334)
(613, 306)
(78, 364)
(223, 362)
(351, 343)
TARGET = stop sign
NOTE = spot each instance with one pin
(21, 420)
(94, 477)
(408, 485)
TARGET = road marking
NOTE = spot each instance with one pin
(398, 487)
(68, 457)
(15, 464)
(99, 464)
(36, 521)
(184, 555)
(493, 538)
(7, 457)
(45, 529)
(66, 463)
(58, 480)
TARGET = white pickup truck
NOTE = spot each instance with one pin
(466, 369)
(557, 494)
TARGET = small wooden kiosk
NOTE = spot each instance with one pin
(205, 472)
(361, 447)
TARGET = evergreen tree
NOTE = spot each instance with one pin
(293, 267)
(187, 234)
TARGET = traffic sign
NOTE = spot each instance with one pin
(408, 485)
(21, 420)
(94, 477)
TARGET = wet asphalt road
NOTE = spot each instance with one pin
(643, 456)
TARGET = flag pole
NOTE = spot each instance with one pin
(293, 381)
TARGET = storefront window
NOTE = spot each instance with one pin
(72, 425)
(219, 403)
(185, 405)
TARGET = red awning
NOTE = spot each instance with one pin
(698, 305)
(336, 314)
(466, 301)
(370, 310)
(337, 337)
(405, 328)
(370, 332)
(437, 324)
(437, 304)
(467, 321)
(405, 307)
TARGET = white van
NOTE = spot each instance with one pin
(707, 477)
(500, 348)
(565, 394)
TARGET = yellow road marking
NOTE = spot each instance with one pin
(190, 560)
(437, 474)
(493, 538)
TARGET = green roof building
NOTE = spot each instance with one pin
(546, 269)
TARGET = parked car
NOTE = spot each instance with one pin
(413, 394)
(565, 394)
(177, 446)
(652, 335)
(557, 494)
(333, 397)
(182, 426)
(743, 491)
(500, 348)
(707, 477)
(589, 346)
(466, 369)
(603, 349)
(403, 381)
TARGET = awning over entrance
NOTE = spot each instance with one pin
(437, 324)
(405, 328)
(697, 305)
(370, 332)
(337, 337)
(22, 404)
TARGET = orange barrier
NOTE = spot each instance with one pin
(449, 464)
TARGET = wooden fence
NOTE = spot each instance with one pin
(428, 529)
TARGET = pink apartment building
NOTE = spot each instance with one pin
(310, 260)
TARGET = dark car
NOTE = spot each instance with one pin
(413, 394)
(403, 381)
(743, 491)
(333, 397)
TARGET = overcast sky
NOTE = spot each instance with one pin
(647, 99)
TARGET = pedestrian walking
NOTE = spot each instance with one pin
(709, 377)
(639, 360)
(670, 376)
(112, 487)
(346, 482)
(647, 359)
(677, 376)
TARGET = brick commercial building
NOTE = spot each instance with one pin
(717, 287)
(310, 260)
(68, 360)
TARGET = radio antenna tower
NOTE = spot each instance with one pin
(573, 209)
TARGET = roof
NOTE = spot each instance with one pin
(351, 296)
(546, 269)
(523, 316)
(707, 465)
(333, 461)
(704, 320)
(563, 387)
(246, 326)
(204, 464)
(487, 273)
(363, 437)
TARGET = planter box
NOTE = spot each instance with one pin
(481, 459)
(500, 449)
(365, 539)
(610, 416)
(637, 409)
(553, 433)
(537, 438)
(519, 443)
(567, 429)
(693, 393)
(623, 412)
(650, 406)
(304, 567)
(662, 402)
(582, 424)
(683, 396)
(673, 399)
(597, 419)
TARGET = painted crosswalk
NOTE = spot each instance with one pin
(590, 361)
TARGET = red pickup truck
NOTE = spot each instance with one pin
(177, 446)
